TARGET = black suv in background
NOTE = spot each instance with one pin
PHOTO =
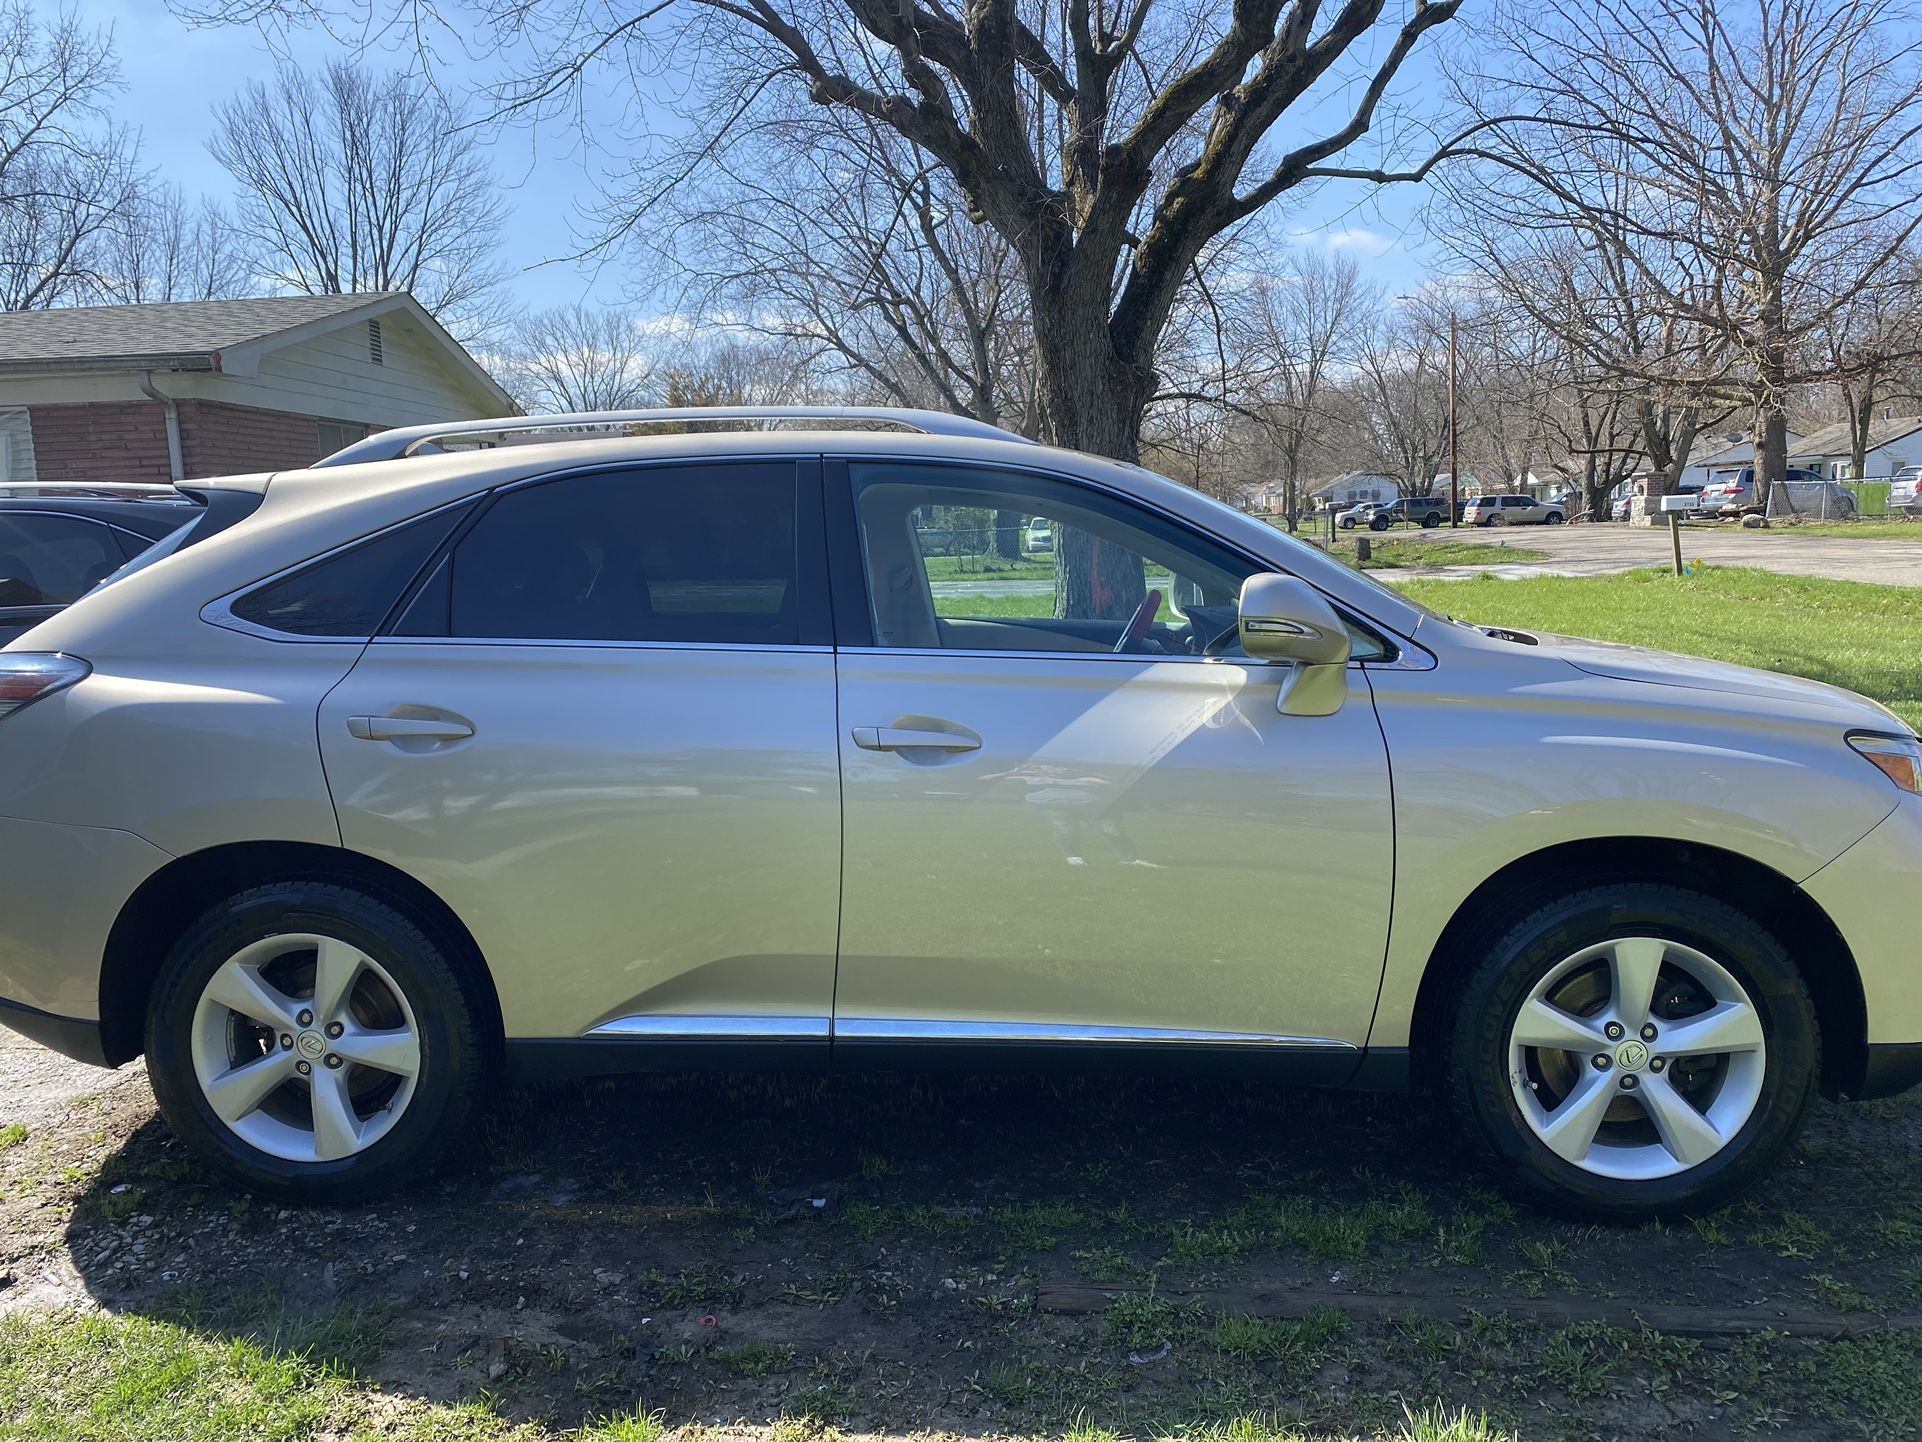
(59, 542)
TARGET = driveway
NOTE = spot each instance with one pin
(1600, 550)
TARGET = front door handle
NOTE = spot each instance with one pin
(895, 738)
(408, 728)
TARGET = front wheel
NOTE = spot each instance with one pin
(313, 1043)
(1379, 523)
(1633, 1051)
(1555, 518)
(1430, 521)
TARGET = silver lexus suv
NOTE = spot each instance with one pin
(435, 763)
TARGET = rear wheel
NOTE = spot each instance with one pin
(1430, 521)
(1555, 518)
(1633, 1051)
(313, 1043)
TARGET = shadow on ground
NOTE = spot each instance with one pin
(882, 1253)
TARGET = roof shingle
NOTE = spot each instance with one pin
(158, 333)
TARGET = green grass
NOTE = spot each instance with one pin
(1843, 632)
(1893, 528)
(11, 1136)
(989, 568)
(1397, 555)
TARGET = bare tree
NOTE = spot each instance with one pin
(1396, 403)
(67, 173)
(352, 181)
(1295, 328)
(1872, 344)
(843, 238)
(161, 248)
(1751, 167)
(581, 358)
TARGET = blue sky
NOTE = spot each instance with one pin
(174, 74)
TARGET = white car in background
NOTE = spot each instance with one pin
(1905, 491)
(1359, 514)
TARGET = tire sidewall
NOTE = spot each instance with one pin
(416, 966)
(1485, 1020)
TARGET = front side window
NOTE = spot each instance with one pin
(692, 553)
(48, 560)
(947, 568)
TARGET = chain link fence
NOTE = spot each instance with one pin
(1827, 500)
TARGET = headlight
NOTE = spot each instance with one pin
(1898, 757)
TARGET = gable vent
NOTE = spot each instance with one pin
(374, 350)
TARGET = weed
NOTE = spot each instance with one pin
(1581, 1358)
(1843, 1296)
(1108, 1264)
(1300, 1346)
(755, 1359)
(1877, 1378)
(12, 1135)
(1793, 1236)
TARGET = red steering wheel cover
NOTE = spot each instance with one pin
(1143, 620)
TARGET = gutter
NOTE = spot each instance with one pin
(174, 466)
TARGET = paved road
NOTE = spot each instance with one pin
(1599, 550)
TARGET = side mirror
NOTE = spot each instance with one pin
(1284, 619)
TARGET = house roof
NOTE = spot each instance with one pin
(159, 335)
(205, 335)
(1321, 488)
(1837, 440)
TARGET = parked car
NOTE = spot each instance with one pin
(58, 542)
(1357, 515)
(1512, 511)
(1736, 495)
(1037, 538)
(1905, 491)
(655, 750)
(1424, 511)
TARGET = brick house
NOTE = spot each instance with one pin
(206, 388)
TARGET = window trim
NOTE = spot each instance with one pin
(118, 535)
(853, 614)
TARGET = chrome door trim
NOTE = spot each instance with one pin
(603, 645)
(871, 1028)
(654, 1026)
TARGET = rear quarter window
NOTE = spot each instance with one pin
(349, 593)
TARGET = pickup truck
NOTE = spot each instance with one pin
(1424, 511)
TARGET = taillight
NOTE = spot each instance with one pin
(26, 676)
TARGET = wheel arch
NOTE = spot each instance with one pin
(1772, 899)
(170, 900)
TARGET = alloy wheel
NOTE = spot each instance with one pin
(1637, 1058)
(305, 1047)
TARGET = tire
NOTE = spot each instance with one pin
(1346, 525)
(1555, 518)
(1494, 520)
(1379, 523)
(384, 1127)
(1752, 1100)
(1430, 521)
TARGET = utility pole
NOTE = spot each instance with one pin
(1454, 451)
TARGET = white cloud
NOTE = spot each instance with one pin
(1356, 238)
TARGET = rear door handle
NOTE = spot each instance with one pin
(894, 738)
(398, 728)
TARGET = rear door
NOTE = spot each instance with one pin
(602, 730)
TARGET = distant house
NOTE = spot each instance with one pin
(1354, 488)
(1719, 457)
(205, 388)
(1893, 442)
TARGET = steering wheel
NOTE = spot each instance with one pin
(1139, 624)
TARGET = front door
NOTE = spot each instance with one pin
(1083, 819)
(603, 732)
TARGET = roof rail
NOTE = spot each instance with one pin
(405, 440)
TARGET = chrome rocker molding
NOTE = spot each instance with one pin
(665, 1043)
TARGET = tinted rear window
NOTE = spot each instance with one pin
(695, 553)
(350, 593)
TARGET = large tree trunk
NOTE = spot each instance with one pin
(1095, 403)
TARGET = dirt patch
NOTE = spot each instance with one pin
(879, 1254)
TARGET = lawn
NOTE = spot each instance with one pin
(1396, 555)
(1844, 632)
(1891, 529)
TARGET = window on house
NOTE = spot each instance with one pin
(337, 435)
